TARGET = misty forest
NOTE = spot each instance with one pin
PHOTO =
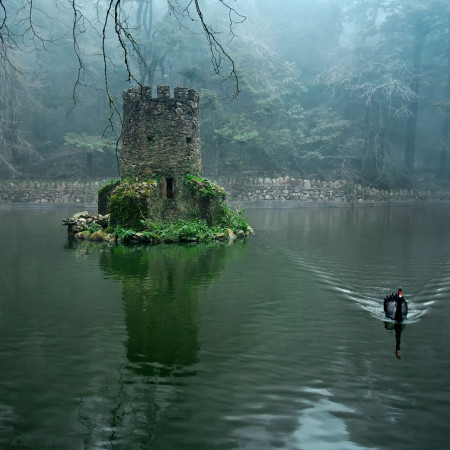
(300, 303)
(331, 89)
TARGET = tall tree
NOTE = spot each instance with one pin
(404, 33)
(445, 105)
(16, 94)
(380, 96)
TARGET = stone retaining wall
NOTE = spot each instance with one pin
(39, 192)
(257, 191)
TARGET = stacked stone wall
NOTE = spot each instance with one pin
(161, 135)
(39, 192)
(260, 191)
(339, 192)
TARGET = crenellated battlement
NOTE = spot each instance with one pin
(144, 94)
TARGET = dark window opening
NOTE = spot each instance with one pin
(188, 140)
(169, 187)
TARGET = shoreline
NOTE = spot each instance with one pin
(294, 204)
(261, 193)
(256, 204)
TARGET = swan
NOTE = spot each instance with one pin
(395, 306)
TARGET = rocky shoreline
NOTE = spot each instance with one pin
(95, 227)
(84, 225)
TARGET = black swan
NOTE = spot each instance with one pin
(395, 306)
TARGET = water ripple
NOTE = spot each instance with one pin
(363, 269)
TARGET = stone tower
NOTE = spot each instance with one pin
(160, 146)
(161, 136)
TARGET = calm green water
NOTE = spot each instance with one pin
(277, 342)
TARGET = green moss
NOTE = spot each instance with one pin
(111, 185)
(104, 195)
(129, 212)
(205, 187)
(128, 204)
(83, 234)
(97, 236)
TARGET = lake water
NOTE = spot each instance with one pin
(279, 341)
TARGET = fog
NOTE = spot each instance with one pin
(331, 89)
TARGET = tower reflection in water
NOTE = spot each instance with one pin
(160, 293)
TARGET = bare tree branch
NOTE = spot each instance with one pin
(28, 31)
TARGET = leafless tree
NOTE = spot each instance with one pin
(16, 92)
(384, 91)
(23, 26)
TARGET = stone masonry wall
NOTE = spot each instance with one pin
(337, 193)
(161, 135)
(259, 191)
(39, 192)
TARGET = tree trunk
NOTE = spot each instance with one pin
(443, 160)
(411, 124)
(366, 135)
(410, 146)
(89, 164)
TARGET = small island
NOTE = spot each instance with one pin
(162, 195)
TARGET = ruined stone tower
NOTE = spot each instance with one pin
(161, 136)
(160, 147)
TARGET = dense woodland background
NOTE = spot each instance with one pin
(328, 89)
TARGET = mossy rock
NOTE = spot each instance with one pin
(82, 235)
(127, 210)
(104, 196)
(97, 236)
(129, 204)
